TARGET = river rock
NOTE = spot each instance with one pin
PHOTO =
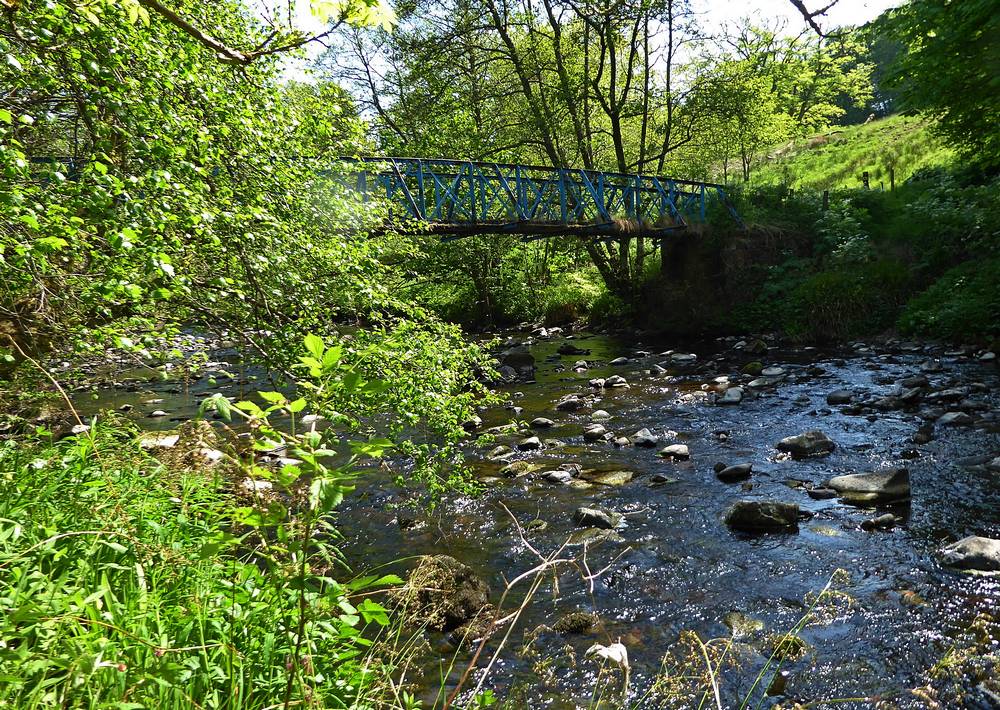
(516, 469)
(956, 419)
(644, 438)
(571, 349)
(592, 536)
(597, 518)
(772, 371)
(811, 443)
(519, 358)
(973, 553)
(532, 443)
(732, 395)
(594, 432)
(763, 516)
(569, 404)
(616, 381)
(153, 442)
(876, 487)
(609, 478)
(619, 361)
(499, 453)
(737, 472)
(576, 622)
(470, 424)
(914, 381)
(599, 416)
(881, 522)
(541, 423)
(557, 476)
(676, 451)
(442, 594)
(683, 357)
(839, 397)
(598, 382)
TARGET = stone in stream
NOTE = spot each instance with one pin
(882, 522)
(597, 383)
(932, 366)
(593, 432)
(772, 371)
(157, 413)
(811, 443)
(974, 553)
(597, 518)
(153, 442)
(532, 443)
(615, 381)
(558, 476)
(518, 358)
(516, 469)
(576, 622)
(676, 451)
(914, 381)
(571, 349)
(732, 395)
(763, 516)
(599, 415)
(877, 487)
(839, 397)
(541, 423)
(737, 472)
(470, 424)
(499, 453)
(569, 404)
(618, 361)
(644, 438)
(956, 419)
(609, 478)
(593, 536)
(822, 493)
(658, 370)
(683, 357)
(442, 594)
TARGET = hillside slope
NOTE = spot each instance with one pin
(837, 157)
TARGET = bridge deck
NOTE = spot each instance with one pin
(464, 198)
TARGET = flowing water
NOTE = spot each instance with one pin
(676, 566)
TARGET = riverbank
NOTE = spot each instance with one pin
(659, 522)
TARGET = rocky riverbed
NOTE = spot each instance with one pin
(716, 488)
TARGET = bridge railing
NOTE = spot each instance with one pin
(463, 197)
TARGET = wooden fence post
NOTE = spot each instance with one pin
(864, 179)
(892, 179)
(826, 200)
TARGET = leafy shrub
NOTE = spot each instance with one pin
(963, 304)
(570, 296)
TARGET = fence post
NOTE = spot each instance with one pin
(826, 200)
(892, 179)
(864, 179)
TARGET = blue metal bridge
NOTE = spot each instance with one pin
(457, 198)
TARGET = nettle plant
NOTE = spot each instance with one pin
(289, 517)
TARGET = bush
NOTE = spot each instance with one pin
(570, 296)
(847, 302)
(963, 304)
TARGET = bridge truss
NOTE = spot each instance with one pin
(463, 198)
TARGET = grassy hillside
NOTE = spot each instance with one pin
(837, 157)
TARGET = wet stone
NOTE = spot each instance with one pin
(811, 443)
(973, 553)
(956, 419)
(532, 443)
(733, 395)
(737, 472)
(839, 397)
(597, 518)
(644, 438)
(541, 423)
(875, 487)
(676, 451)
(763, 516)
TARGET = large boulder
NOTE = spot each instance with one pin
(877, 487)
(980, 554)
(443, 594)
(811, 443)
(519, 358)
(763, 516)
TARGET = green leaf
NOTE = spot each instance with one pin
(315, 346)
(5, 116)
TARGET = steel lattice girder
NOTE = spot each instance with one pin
(462, 198)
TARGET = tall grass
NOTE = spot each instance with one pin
(121, 585)
(837, 158)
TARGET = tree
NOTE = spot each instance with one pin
(950, 70)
